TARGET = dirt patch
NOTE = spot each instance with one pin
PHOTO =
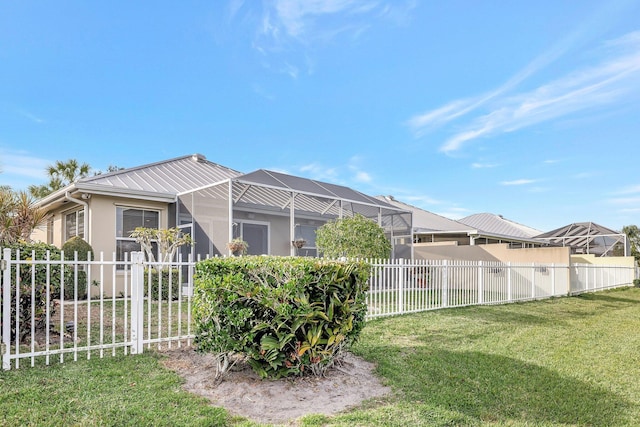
(242, 392)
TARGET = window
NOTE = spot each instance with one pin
(74, 224)
(127, 219)
(50, 235)
(308, 234)
(256, 234)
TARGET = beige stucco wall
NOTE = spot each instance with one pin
(493, 252)
(621, 261)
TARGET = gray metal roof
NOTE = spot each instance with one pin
(172, 176)
(319, 190)
(425, 221)
(497, 225)
(585, 237)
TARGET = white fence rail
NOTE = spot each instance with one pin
(45, 316)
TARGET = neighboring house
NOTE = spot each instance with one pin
(212, 203)
(481, 237)
(588, 238)
(477, 229)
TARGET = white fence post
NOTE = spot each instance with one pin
(480, 283)
(401, 273)
(509, 291)
(137, 302)
(445, 284)
(6, 308)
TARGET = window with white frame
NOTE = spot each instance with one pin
(74, 224)
(127, 220)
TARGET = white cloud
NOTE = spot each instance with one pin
(630, 190)
(363, 177)
(478, 165)
(286, 31)
(519, 182)
(20, 169)
(615, 77)
(31, 116)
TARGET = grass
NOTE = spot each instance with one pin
(558, 362)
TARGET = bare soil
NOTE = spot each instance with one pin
(243, 392)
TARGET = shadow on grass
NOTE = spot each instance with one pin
(609, 297)
(494, 388)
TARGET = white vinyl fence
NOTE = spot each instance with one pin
(132, 307)
(405, 286)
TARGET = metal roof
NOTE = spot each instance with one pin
(585, 237)
(427, 222)
(309, 187)
(169, 176)
(498, 225)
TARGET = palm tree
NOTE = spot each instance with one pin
(61, 174)
(18, 216)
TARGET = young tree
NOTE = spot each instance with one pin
(168, 240)
(633, 235)
(61, 174)
(354, 237)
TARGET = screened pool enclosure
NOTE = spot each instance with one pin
(278, 214)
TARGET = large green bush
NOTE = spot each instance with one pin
(287, 315)
(36, 273)
(353, 237)
(84, 250)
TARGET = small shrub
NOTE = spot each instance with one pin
(636, 283)
(85, 251)
(160, 288)
(287, 315)
(33, 276)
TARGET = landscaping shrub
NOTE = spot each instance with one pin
(353, 237)
(79, 274)
(160, 290)
(37, 272)
(287, 315)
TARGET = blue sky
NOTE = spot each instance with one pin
(530, 110)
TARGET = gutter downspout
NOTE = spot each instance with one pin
(87, 231)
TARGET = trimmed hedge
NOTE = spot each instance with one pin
(287, 315)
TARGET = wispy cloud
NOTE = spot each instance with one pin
(479, 165)
(629, 190)
(19, 169)
(31, 116)
(614, 77)
(286, 31)
(519, 182)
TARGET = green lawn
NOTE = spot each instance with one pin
(559, 362)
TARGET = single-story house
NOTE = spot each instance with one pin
(478, 237)
(212, 203)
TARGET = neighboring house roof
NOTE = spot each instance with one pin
(155, 181)
(427, 222)
(586, 237)
(499, 226)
